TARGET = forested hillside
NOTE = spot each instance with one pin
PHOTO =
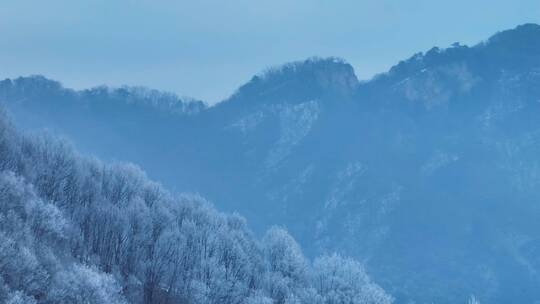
(428, 173)
(76, 230)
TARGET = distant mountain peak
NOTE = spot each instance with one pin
(301, 80)
(528, 34)
(33, 83)
(38, 86)
(142, 96)
(329, 72)
(516, 50)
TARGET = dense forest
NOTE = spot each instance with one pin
(76, 230)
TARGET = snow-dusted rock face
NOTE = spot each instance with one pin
(437, 86)
(429, 172)
(344, 183)
(249, 122)
(295, 122)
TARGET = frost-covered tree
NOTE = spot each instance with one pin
(344, 280)
(473, 300)
(80, 284)
(286, 264)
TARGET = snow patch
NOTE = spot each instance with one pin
(437, 161)
(249, 122)
(295, 122)
(345, 182)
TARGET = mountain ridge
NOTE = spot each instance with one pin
(404, 171)
(137, 95)
(335, 75)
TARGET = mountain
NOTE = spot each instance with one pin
(428, 172)
(76, 230)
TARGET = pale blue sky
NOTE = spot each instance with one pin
(207, 48)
